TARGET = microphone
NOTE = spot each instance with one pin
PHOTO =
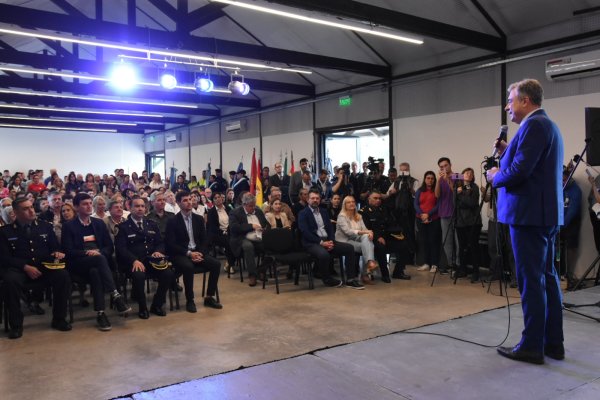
(501, 137)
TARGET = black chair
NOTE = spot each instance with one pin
(279, 244)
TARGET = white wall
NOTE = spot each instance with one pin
(82, 152)
(301, 143)
(201, 155)
(237, 150)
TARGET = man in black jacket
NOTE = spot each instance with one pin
(24, 246)
(186, 243)
(137, 243)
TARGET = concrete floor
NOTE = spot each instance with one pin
(255, 327)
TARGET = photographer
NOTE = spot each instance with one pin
(468, 223)
(341, 182)
(377, 181)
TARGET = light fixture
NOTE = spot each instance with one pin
(289, 12)
(56, 128)
(76, 111)
(102, 99)
(168, 81)
(123, 76)
(78, 121)
(204, 85)
(110, 45)
(238, 86)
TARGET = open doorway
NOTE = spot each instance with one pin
(155, 162)
(356, 145)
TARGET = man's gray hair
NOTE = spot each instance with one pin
(530, 88)
(248, 198)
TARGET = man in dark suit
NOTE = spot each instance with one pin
(530, 201)
(88, 249)
(282, 181)
(242, 184)
(137, 243)
(24, 246)
(318, 240)
(296, 180)
(186, 242)
(217, 228)
(246, 224)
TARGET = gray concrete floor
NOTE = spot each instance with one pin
(257, 327)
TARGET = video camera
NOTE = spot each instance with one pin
(374, 164)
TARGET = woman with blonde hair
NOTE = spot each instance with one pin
(350, 228)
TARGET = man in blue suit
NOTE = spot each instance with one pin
(530, 201)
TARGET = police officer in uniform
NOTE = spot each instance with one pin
(385, 237)
(24, 246)
(137, 244)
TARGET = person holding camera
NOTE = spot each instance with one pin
(468, 223)
(377, 182)
(444, 189)
(341, 182)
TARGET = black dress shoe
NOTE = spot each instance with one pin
(521, 355)
(36, 309)
(144, 314)
(386, 279)
(190, 306)
(156, 310)
(177, 287)
(555, 351)
(402, 276)
(15, 333)
(61, 325)
(212, 303)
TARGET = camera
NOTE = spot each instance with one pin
(345, 168)
(374, 164)
(456, 177)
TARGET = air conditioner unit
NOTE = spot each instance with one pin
(172, 137)
(573, 66)
(235, 126)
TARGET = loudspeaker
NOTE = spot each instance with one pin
(592, 132)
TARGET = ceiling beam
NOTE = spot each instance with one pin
(205, 15)
(400, 21)
(112, 31)
(99, 68)
(167, 9)
(68, 8)
(139, 128)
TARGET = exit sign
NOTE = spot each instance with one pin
(345, 101)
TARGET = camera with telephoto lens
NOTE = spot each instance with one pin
(345, 168)
(374, 164)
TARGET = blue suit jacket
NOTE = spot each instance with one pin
(530, 176)
(308, 226)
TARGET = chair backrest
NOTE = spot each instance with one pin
(278, 240)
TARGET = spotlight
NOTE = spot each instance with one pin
(203, 85)
(123, 76)
(239, 87)
(168, 81)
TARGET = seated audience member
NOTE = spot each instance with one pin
(3, 189)
(569, 233)
(90, 184)
(217, 227)
(36, 186)
(186, 244)
(67, 213)
(334, 207)
(206, 201)
(276, 217)
(137, 244)
(126, 184)
(198, 207)
(208, 193)
(242, 184)
(468, 224)
(220, 184)
(52, 214)
(230, 199)
(156, 182)
(194, 184)
(72, 186)
(99, 204)
(276, 194)
(179, 184)
(8, 215)
(351, 229)
(301, 202)
(16, 185)
(158, 213)
(24, 247)
(428, 222)
(88, 249)
(318, 240)
(246, 224)
(41, 205)
(114, 218)
(171, 202)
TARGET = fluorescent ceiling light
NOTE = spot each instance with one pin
(108, 100)
(76, 111)
(148, 51)
(320, 21)
(78, 121)
(56, 128)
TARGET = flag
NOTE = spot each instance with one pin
(285, 171)
(253, 173)
(208, 170)
(328, 165)
(239, 168)
(259, 188)
(173, 175)
(292, 169)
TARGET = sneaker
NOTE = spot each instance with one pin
(354, 284)
(332, 282)
(103, 322)
(424, 267)
(433, 269)
(120, 304)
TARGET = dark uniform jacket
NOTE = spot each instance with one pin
(17, 250)
(132, 244)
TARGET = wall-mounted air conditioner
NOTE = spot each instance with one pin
(573, 66)
(235, 126)
(172, 137)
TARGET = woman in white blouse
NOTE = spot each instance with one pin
(351, 229)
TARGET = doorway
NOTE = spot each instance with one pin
(155, 162)
(355, 145)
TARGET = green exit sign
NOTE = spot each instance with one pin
(345, 101)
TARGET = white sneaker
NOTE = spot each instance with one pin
(433, 269)
(424, 267)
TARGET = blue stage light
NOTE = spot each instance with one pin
(123, 76)
(239, 87)
(203, 85)
(168, 81)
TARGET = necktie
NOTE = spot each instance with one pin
(140, 225)
(28, 231)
